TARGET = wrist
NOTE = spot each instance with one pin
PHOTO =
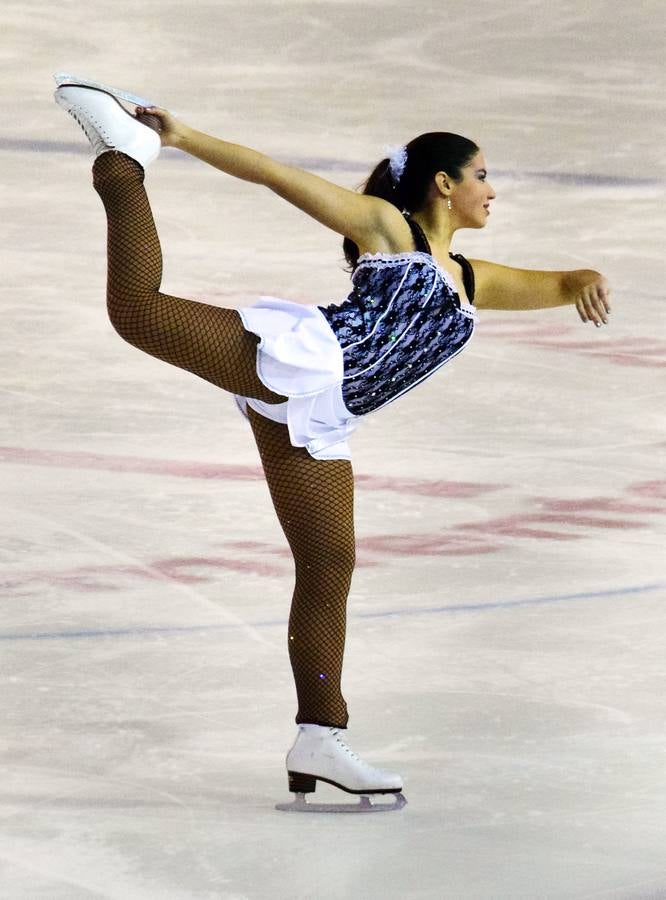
(182, 137)
(575, 281)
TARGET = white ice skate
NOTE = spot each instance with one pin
(320, 754)
(63, 79)
(107, 124)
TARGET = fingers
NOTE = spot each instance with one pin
(593, 304)
(151, 111)
(160, 120)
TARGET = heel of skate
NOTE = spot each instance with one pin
(301, 784)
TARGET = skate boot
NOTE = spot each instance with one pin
(107, 124)
(320, 754)
(63, 79)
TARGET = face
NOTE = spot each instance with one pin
(470, 198)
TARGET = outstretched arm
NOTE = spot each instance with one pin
(357, 216)
(502, 287)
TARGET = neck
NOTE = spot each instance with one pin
(438, 227)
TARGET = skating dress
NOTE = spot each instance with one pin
(402, 321)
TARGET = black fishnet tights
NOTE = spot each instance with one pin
(206, 340)
(313, 498)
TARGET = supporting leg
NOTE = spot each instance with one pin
(314, 501)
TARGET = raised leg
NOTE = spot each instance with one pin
(314, 501)
(203, 339)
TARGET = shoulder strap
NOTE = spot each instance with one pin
(468, 274)
(422, 245)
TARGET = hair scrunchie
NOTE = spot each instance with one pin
(397, 157)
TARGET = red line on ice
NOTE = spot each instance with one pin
(72, 459)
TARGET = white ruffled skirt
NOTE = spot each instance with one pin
(298, 357)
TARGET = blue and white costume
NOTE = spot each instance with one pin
(402, 321)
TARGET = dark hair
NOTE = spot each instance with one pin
(436, 151)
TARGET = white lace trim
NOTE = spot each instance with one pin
(408, 256)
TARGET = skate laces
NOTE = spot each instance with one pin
(91, 128)
(346, 747)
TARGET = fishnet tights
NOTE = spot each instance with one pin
(313, 498)
(206, 340)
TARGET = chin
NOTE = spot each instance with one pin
(477, 222)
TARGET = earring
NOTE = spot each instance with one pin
(448, 203)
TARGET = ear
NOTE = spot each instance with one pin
(444, 184)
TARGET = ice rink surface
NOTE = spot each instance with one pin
(507, 619)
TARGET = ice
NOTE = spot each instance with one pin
(507, 620)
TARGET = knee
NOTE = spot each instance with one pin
(344, 558)
(333, 560)
(113, 310)
(127, 314)
(117, 315)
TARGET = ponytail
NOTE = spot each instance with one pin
(436, 151)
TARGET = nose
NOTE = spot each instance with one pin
(491, 192)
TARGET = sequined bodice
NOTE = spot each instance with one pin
(402, 321)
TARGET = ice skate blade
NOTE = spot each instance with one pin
(300, 804)
(64, 79)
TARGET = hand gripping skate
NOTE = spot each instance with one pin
(319, 754)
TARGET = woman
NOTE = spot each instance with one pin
(305, 376)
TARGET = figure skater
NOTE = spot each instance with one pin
(306, 376)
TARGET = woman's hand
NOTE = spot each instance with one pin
(592, 301)
(171, 130)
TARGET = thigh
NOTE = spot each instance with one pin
(314, 499)
(207, 340)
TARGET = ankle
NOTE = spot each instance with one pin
(112, 165)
